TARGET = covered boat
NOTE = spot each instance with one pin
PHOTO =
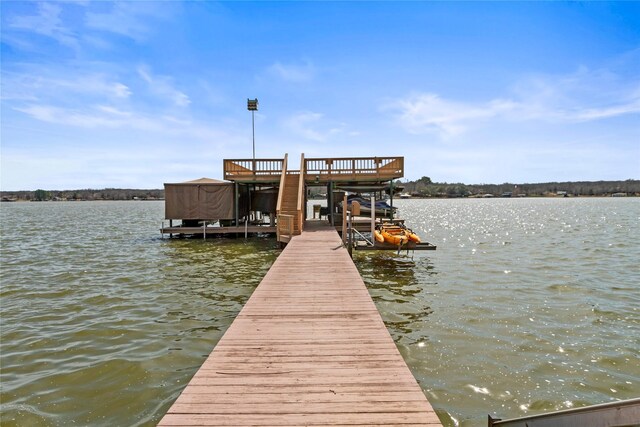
(383, 209)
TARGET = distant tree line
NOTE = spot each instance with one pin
(87, 194)
(424, 187)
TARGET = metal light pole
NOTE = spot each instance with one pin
(252, 105)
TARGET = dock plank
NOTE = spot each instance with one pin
(308, 348)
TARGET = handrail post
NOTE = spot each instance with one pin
(237, 204)
(291, 226)
(283, 175)
(350, 231)
(301, 195)
(344, 219)
(373, 218)
(391, 198)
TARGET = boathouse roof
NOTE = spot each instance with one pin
(200, 181)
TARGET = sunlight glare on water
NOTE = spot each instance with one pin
(528, 305)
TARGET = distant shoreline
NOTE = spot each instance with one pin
(422, 188)
(7, 200)
(83, 195)
(4, 200)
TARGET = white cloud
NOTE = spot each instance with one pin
(102, 117)
(109, 117)
(301, 124)
(33, 84)
(584, 95)
(47, 23)
(77, 23)
(293, 72)
(134, 20)
(429, 112)
(313, 126)
(162, 86)
(113, 111)
(579, 97)
(120, 90)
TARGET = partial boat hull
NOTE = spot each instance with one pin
(383, 209)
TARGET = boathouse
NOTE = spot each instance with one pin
(204, 199)
(266, 196)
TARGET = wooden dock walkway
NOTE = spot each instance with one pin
(308, 348)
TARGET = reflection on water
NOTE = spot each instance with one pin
(528, 305)
(401, 287)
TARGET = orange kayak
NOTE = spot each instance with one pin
(412, 236)
(394, 235)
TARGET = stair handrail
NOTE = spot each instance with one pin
(301, 193)
(282, 179)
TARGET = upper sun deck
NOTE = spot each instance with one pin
(254, 170)
(317, 170)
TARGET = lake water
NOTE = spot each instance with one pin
(528, 305)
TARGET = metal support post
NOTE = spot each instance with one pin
(237, 207)
(350, 231)
(344, 219)
(253, 132)
(391, 197)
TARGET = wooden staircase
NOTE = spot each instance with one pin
(289, 204)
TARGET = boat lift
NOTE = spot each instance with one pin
(364, 243)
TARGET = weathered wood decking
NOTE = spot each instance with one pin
(308, 348)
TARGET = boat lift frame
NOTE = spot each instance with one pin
(348, 231)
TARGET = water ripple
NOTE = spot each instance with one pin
(528, 305)
(103, 324)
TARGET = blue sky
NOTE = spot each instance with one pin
(135, 94)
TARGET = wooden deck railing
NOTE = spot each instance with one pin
(258, 169)
(378, 168)
(317, 169)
